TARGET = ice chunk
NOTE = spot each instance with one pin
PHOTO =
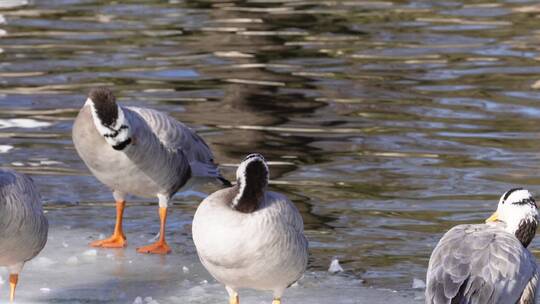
(90, 253)
(197, 290)
(418, 284)
(185, 269)
(43, 262)
(2, 280)
(149, 300)
(49, 162)
(5, 148)
(12, 3)
(334, 266)
(26, 123)
(138, 300)
(72, 260)
(45, 289)
(65, 244)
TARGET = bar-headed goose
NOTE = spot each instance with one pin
(139, 151)
(23, 226)
(248, 237)
(488, 263)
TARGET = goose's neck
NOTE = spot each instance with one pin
(526, 231)
(249, 196)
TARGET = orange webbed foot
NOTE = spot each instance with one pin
(156, 248)
(115, 241)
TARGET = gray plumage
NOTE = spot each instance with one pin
(23, 226)
(163, 156)
(481, 264)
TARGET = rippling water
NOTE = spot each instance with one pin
(387, 122)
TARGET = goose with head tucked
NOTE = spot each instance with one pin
(142, 152)
(23, 225)
(488, 263)
(248, 237)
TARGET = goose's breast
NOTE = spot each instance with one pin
(249, 250)
(111, 167)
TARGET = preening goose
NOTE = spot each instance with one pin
(139, 151)
(488, 263)
(248, 237)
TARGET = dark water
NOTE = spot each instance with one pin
(387, 122)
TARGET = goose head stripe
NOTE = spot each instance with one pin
(109, 118)
(252, 178)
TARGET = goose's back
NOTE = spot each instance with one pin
(265, 249)
(175, 135)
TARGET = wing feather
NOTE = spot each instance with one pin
(175, 135)
(529, 294)
(23, 226)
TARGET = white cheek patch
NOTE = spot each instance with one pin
(116, 134)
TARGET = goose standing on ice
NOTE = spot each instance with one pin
(23, 226)
(488, 263)
(142, 152)
(248, 237)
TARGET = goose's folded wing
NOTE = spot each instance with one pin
(175, 135)
(479, 262)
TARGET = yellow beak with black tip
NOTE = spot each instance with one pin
(493, 218)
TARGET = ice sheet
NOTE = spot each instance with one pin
(25, 123)
(68, 271)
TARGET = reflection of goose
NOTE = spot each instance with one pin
(247, 237)
(139, 151)
(488, 263)
(23, 226)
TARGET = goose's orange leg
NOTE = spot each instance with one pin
(161, 246)
(13, 280)
(118, 238)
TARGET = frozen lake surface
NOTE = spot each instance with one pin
(68, 271)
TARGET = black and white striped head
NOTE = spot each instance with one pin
(252, 180)
(109, 118)
(518, 210)
(104, 104)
